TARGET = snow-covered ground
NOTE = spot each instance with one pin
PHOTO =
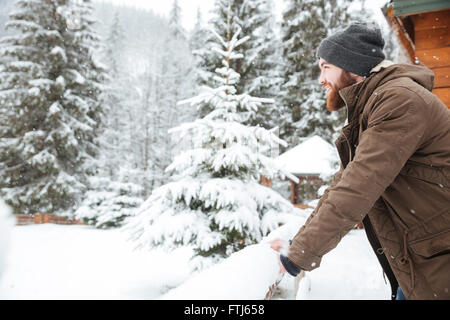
(6, 226)
(79, 262)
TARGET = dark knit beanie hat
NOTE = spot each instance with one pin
(356, 49)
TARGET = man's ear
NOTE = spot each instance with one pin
(357, 78)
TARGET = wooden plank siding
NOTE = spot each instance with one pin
(434, 58)
(441, 77)
(431, 20)
(444, 95)
(432, 48)
(432, 38)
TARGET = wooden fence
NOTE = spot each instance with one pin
(39, 218)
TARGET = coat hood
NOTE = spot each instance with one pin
(418, 73)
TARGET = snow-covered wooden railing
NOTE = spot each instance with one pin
(249, 274)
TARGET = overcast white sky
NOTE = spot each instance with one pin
(162, 7)
(189, 8)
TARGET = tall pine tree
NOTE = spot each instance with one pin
(197, 46)
(305, 24)
(168, 80)
(214, 202)
(258, 76)
(51, 105)
(112, 193)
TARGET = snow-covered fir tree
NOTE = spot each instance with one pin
(168, 80)
(112, 193)
(258, 69)
(215, 202)
(305, 24)
(108, 203)
(263, 70)
(143, 91)
(116, 120)
(7, 6)
(114, 47)
(154, 72)
(197, 46)
(154, 147)
(51, 98)
(176, 29)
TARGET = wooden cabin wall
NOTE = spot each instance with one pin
(432, 44)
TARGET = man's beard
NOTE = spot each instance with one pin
(334, 100)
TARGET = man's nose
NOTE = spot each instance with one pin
(321, 79)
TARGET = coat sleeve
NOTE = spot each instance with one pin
(395, 130)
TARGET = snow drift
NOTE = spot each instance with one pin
(246, 274)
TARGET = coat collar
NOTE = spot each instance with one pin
(351, 94)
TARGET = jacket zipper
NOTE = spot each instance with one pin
(372, 237)
(375, 243)
(342, 130)
(349, 147)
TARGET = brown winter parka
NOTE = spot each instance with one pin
(395, 177)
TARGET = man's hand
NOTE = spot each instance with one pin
(277, 245)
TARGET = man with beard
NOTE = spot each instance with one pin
(395, 168)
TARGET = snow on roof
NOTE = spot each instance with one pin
(314, 156)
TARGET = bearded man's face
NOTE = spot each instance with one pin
(333, 79)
